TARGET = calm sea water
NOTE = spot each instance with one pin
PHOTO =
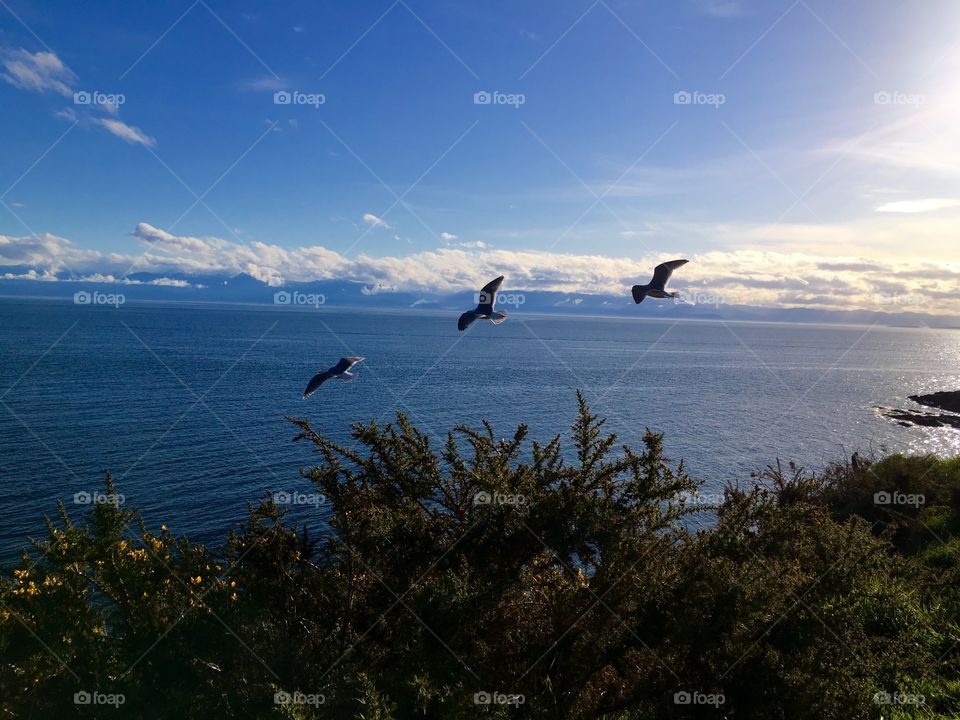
(85, 390)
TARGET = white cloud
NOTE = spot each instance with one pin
(919, 206)
(373, 220)
(38, 72)
(748, 277)
(448, 237)
(264, 83)
(44, 71)
(126, 132)
(721, 8)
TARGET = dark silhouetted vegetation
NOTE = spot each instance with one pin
(492, 577)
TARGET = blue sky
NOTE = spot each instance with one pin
(810, 122)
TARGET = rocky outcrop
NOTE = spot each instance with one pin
(944, 400)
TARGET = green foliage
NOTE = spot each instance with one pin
(557, 584)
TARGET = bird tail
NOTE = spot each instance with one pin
(498, 317)
(639, 293)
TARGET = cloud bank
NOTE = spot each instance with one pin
(744, 277)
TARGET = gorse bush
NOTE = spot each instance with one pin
(492, 577)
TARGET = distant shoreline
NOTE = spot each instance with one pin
(452, 310)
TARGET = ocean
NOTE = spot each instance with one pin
(186, 405)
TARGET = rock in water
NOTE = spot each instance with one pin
(944, 400)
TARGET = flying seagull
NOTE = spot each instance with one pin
(656, 287)
(341, 371)
(484, 311)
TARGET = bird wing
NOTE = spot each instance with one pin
(345, 364)
(316, 381)
(639, 293)
(663, 271)
(488, 296)
(468, 317)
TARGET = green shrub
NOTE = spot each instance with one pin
(497, 569)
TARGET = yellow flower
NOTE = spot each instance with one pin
(233, 583)
(98, 631)
(233, 596)
(197, 580)
(122, 545)
(163, 527)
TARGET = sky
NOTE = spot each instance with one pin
(801, 153)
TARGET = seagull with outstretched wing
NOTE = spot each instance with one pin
(484, 311)
(656, 288)
(341, 371)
